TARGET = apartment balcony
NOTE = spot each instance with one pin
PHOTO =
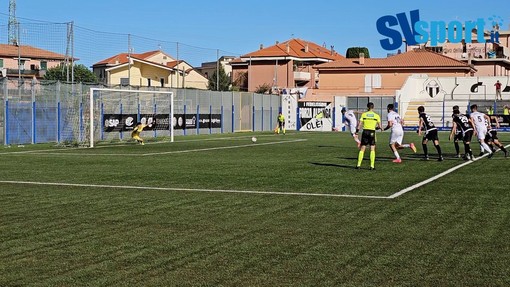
(302, 76)
(24, 73)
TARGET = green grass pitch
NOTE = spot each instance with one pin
(219, 210)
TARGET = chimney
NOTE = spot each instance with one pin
(332, 50)
(362, 58)
(261, 46)
(287, 48)
(277, 42)
(306, 48)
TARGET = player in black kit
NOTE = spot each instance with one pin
(492, 138)
(465, 124)
(430, 133)
(458, 135)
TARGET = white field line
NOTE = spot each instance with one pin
(190, 189)
(223, 147)
(429, 180)
(163, 153)
(53, 151)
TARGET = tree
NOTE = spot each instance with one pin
(223, 83)
(354, 52)
(240, 82)
(262, 89)
(81, 74)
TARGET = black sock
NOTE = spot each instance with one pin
(425, 149)
(438, 148)
(502, 148)
(468, 150)
(457, 147)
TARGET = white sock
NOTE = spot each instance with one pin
(405, 145)
(486, 147)
(396, 154)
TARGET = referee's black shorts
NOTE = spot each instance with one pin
(368, 137)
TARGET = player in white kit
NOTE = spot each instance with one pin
(351, 124)
(395, 122)
(481, 121)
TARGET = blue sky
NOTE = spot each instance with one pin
(239, 27)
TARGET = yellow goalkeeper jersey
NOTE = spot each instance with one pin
(137, 130)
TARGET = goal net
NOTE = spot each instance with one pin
(111, 114)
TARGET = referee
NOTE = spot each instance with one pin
(370, 121)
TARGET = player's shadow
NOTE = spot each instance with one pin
(333, 165)
(379, 158)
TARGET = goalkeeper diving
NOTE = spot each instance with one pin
(135, 134)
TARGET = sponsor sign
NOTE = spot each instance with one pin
(126, 122)
(315, 116)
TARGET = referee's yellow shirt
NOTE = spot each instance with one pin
(370, 120)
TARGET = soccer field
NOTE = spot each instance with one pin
(219, 210)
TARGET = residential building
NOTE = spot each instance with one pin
(209, 68)
(149, 69)
(489, 58)
(27, 61)
(289, 64)
(365, 77)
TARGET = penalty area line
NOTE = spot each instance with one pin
(223, 147)
(190, 189)
(438, 176)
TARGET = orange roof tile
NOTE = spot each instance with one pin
(296, 48)
(122, 58)
(173, 63)
(7, 50)
(409, 60)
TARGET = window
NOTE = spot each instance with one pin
(22, 65)
(148, 82)
(44, 65)
(368, 83)
(372, 81)
(376, 81)
(1, 63)
(124, 81)
(162, 81)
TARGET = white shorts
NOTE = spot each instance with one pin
(481, 133)
(352, 129)
(397, 136)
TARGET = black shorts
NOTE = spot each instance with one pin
(467, 136)
(491, 136)
(458, 136)
(281, 124)
(368, 137)
(431, 136)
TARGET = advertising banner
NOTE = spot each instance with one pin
(126, 122)
(315, 116)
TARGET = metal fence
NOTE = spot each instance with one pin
(42, 112)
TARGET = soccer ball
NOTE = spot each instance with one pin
(253, 139)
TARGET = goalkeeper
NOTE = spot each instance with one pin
(281, 123)
(135, 134)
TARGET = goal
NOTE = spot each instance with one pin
(113, 113)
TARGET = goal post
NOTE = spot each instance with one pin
(114, 112)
